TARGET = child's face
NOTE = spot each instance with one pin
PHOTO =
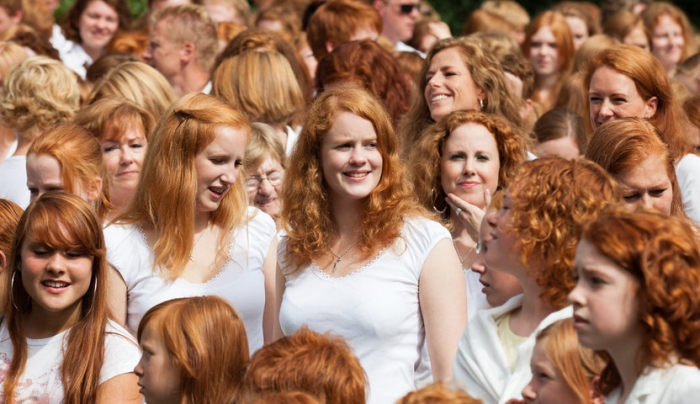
(159, 378)
(547, 384)
(605, 302)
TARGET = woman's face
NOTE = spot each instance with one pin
(56, 279)
(217, 167)
(470, 163)
(647, 186)
(97, 25)
(637, 37)
(667, 41)
(579, 30)
(547, 385)
(564, 147)
(159, 377)
(264, 186)
(449, 85)
(605, 302)
(123, 159)
(350, 158)
(44, 174)
(544, 53)
(613, 95)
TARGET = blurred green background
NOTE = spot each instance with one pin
(454, 12)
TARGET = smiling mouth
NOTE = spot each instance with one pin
(56, 285)
(356, 175)
(218, 190)
(439, 98)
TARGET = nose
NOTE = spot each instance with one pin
(435, 81)
(265, 187)
(56, 263)
(606, 109)
(147, 54)
(491, 219)
(138, 370)
(529, 391)
(357, 156)
(479, 266)
(230, 174)
(645, 202)
(468, 167)
(575, 297)
(127, 156)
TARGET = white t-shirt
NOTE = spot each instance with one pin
(376, 309)
(41, 380)
(74, 57)
(476, 299)
(13, 181)
(678, 384)
(688, 175)
(240, 282)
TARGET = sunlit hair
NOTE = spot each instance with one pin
(190, 23)
(590, 48)
(337, 21)
(663, 255)
(426, 155)
(565, 48)
(226, 31)
(558, 123)
(481, 20)
(290, 25)
(552, 199)
(241, 7)
(410, 63)
(498, 43)
(259, 84)
(650, 80)
(517, 65)
(622, 23)
(109, 118)
(132, 42)
(71, 24)
(306, 212)
(578, 366)
(263, 141)
(37, 15)
(61, 221)
(691, 106)
(510, 10)
(206, 340)
(437, 393)
(106, 63)
(137, 82)
(165, 196)
(320, 365)
(487, 75)
(623, 144)
(656, 10)
(260, 39)
(295, 397)
(574, 97)
(11, 54)
(370, 66)
(37, 94)
(79, 154)
(575, 9)
(9, 217)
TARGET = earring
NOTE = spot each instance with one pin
(481, 103)
(12, 290)
(444, 209)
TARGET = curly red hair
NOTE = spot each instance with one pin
(552, 200)
(438, 393)
(426, 154)
(306, 213)
(663, 254)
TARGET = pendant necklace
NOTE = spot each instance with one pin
(340, 257)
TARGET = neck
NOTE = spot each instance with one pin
(533, 310)
(23, 144)
(624, 355)
(191, 80)
(94, 53)
(42, 324)
(346, 218)
(201, 221)
(547, 83)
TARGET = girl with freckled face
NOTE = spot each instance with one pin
(636, 304)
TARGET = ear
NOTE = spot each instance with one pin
(3, 262)
(187, 52)
(651, 106)
(330, 46)
(17, 18)
(596, 397)
(93, 194)
(481, 94)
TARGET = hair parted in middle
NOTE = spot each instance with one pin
(71, 24)
(320, 365)
(165, 196)
(61, 221)
(552, 200)
(306, 210)
(206, 339)
(663, 255)
(426, 155)
(487, 75)
(561, 122)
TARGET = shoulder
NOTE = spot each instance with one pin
(256, 217)
(119, 236)
(122, 352)
(423, 230)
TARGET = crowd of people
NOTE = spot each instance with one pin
(341, 202)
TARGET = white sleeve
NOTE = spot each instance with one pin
(688, 175)
(122, 352)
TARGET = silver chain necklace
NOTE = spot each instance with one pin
(340, 257)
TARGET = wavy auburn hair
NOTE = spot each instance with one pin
(623, 144)
(306, 210)
(663, 254)
(206, 340)
(165, 196)
(577, 365)
(61, 221)
(425, 160)
(552, 199)
(487, 75)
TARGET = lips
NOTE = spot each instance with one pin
(579, 321)
(439, 97)
(220, 191)
(356, 174)
(55, 284)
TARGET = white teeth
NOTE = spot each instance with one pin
(55, 284)
(216, 190)
(356, 175)
(438, 98)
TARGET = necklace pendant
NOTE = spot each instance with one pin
(335, 265)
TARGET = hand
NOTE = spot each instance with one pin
(439, 29)
(470, 216)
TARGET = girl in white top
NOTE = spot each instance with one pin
(188, 231)
(57, 342)
(358, 248)
(636, 302)
(532, 239)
